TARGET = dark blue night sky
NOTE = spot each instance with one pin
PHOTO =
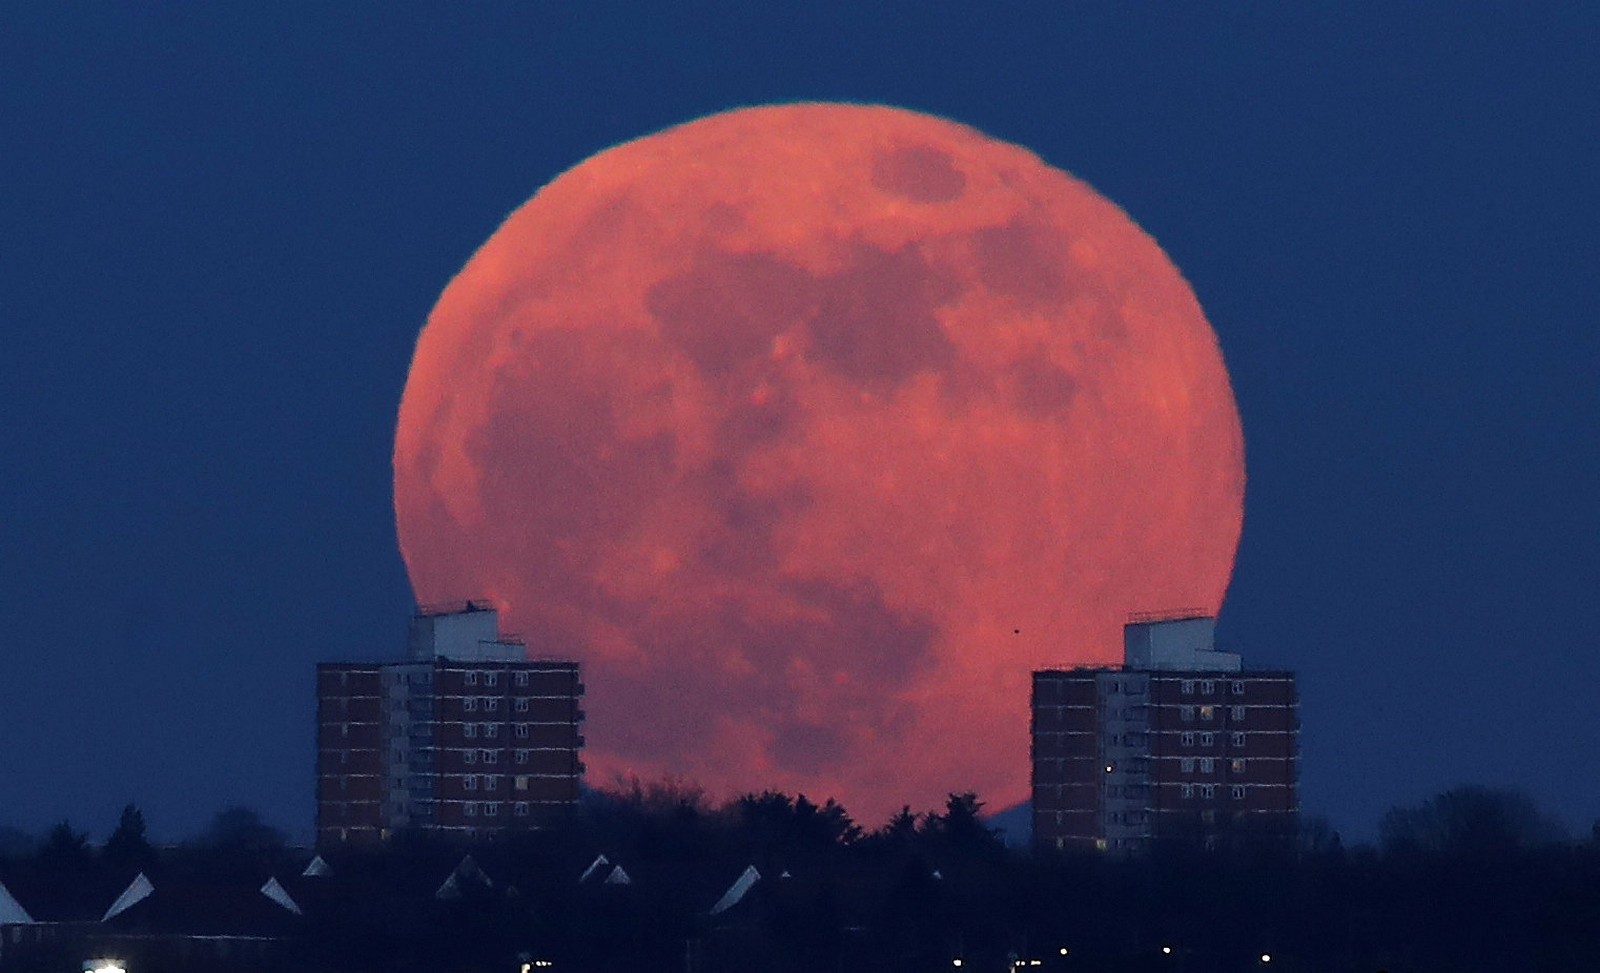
(222, 227)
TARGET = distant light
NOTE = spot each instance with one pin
(104, 966)
(1166, 950)
(956, 961)
(1064, 951)
(1036, 962)
(1266, 957)
(1108, 768)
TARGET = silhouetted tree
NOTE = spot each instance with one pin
(1469, 819)
(127, 847)
(64, 848)
(242, 831)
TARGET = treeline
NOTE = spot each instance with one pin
(1473, 879)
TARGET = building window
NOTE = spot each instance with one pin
(1208, 790)
(1185, 790)
(1186, 712)
(1236, 713)
(1207, 687)
(1186, 765)
(490, 783)
(491, 756)
(1237, 765)
(521, 704)
(469, 730)
(491, 679)
(471, 783)
(471, 679)
(1238, 688)
(522, 678)
(521, 807)
(491, 809)
(492, 705)
(522, 730)
(1206, 739)
(470, 704)
(470, 757)
(1207, 765)
(1187, 739)
(1238, 792)
(520, 782)
(470, 809)
(491, 730)
(1187, 687)
(1208, 712)
(1238, 739)
(522, 756)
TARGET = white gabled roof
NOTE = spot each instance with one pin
(599, 862)
(740, 887)
(280, 895)
(316, 869)
(11, 911)
(137, 891)
(468, 870)
(618, 877)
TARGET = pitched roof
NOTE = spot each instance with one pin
(11, 911)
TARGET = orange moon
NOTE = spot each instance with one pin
(810, 430)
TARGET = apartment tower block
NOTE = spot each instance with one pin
(466, 737)
(1179, 743)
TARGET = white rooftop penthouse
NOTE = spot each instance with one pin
(462, 633)
(1176, 645)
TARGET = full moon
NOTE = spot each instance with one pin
(809, 431)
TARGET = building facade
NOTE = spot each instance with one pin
(1180, 743)
(467, 736)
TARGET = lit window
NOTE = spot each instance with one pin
(470, 809)
(1207, 765)
(1238, 688)
(522, 678)
(1207, 687)
(1238, 792)
(1186, 712)
(470, 704)
(1206, 739)
(1185, 790)
(470, 757)
(1208, 790)
(1236, 713)
(1208, 712)
(1187, 739)
(471, 783)
(522, 705)
(472, 679)
(1238, 739)
(1236, 765)
(491, 679)
(1186, 765)
(520, 782)
(522, 730)
(469, 730)
(1187, 687)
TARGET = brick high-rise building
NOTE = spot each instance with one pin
(1178, 743)
(468, 736)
